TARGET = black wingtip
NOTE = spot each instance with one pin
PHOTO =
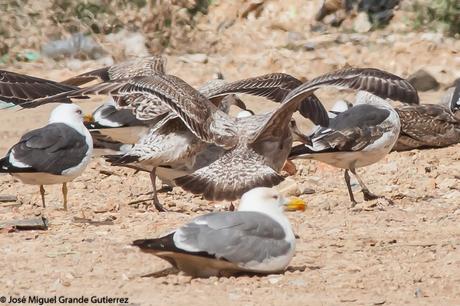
(143, 243)
(299, 150)
(4, 165)
(156, 244)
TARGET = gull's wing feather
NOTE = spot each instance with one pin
(275, 87)
(19, 88)
(378, 82)
(144, 66)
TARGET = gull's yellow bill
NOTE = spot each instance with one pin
(88, 118)
(296, 204)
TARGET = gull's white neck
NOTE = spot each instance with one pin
(364, 97)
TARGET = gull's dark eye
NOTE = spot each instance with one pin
(79, 112)
(275, 197)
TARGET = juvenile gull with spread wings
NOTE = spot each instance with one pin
(258, 238)
(54, 154)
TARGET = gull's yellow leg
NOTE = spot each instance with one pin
(42, 193)
(64, 193)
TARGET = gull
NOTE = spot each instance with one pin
(115, 129)
(54, 154)
(430, 125)
(452, 98)
(170, 149)
(118, 124)
(427, 126)
(257, 238)
(256, 147)
(362, 135)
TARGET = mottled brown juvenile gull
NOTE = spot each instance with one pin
(169, 149)
(256, 146)
(54, 154)
(257, 238)
(431, 125)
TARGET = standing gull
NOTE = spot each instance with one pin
(256, 147)
(358, 137)
(54, 154)
(257, 238)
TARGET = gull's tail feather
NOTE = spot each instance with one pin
(4, 165)
(300, 151)
(165, 243)
(230, 177)
(119, 160)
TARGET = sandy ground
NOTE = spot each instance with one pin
(373, 254)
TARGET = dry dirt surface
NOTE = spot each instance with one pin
(376, 253)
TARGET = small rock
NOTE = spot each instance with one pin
(423, 81)
(437, 38)
(304, 189)
(76, 44)
(293, 37)
(309, 46)
(449, 183)
(297, 282)
(274, 279)
(234, 296)
(200, 58)
(289, 187)
(362, 23)
(130, 43)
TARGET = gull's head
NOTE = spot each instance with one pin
(268, 200)
(70, 114)
(340, 106)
